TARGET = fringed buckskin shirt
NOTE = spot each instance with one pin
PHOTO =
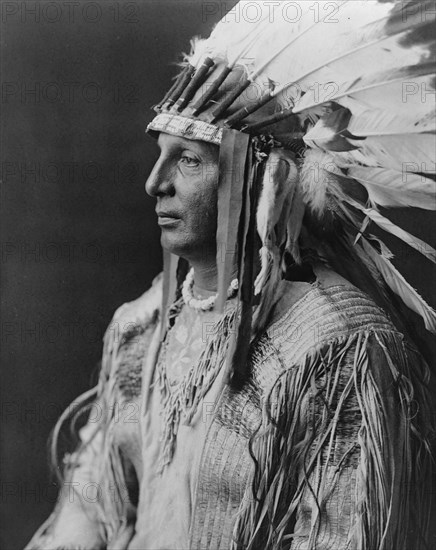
(322, 448)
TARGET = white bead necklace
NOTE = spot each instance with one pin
(207, 303)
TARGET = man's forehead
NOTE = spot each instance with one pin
(169, 141)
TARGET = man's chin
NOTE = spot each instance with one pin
(172, 243)
(186, 249)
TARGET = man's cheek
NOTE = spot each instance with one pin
(210, 175)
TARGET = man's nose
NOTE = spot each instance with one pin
(159, 182)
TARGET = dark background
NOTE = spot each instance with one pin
(79, 234)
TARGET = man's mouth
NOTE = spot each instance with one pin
(167, 218)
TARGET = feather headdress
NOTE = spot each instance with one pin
(345, 88)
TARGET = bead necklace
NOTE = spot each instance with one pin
(207, 303)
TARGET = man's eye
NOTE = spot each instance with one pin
(189, 161)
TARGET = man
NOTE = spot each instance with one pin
(264, 393)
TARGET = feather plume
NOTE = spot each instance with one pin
(380, 90)
(302, 37)
(385, 187)
(399, 151)
(231, 39)
(380, 123)
(199, 50)
(419, 245)
(393, 188)
(402, 288)
(330, 132)
(279, 184)
(384, 140)
(360, 34)
(295, 34)
(318, 179)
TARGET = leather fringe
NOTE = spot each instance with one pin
(180, 404)
(305, 418)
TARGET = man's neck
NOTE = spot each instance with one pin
(206, 275)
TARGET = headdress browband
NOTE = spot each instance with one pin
(189, 128)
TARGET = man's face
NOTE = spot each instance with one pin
(184, 181)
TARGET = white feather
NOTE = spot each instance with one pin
(396, 189)
(386, 141)
(277, 192)
(380, 123)
(317, 179)
(394, 91)
(393, 151)
(199, 50)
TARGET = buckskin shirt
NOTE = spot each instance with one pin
(290, 460)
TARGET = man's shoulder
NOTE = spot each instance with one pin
(139, 313)
(128, 339)
(308, 316)
(144, 305)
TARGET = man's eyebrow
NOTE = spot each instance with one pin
(174, 147)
